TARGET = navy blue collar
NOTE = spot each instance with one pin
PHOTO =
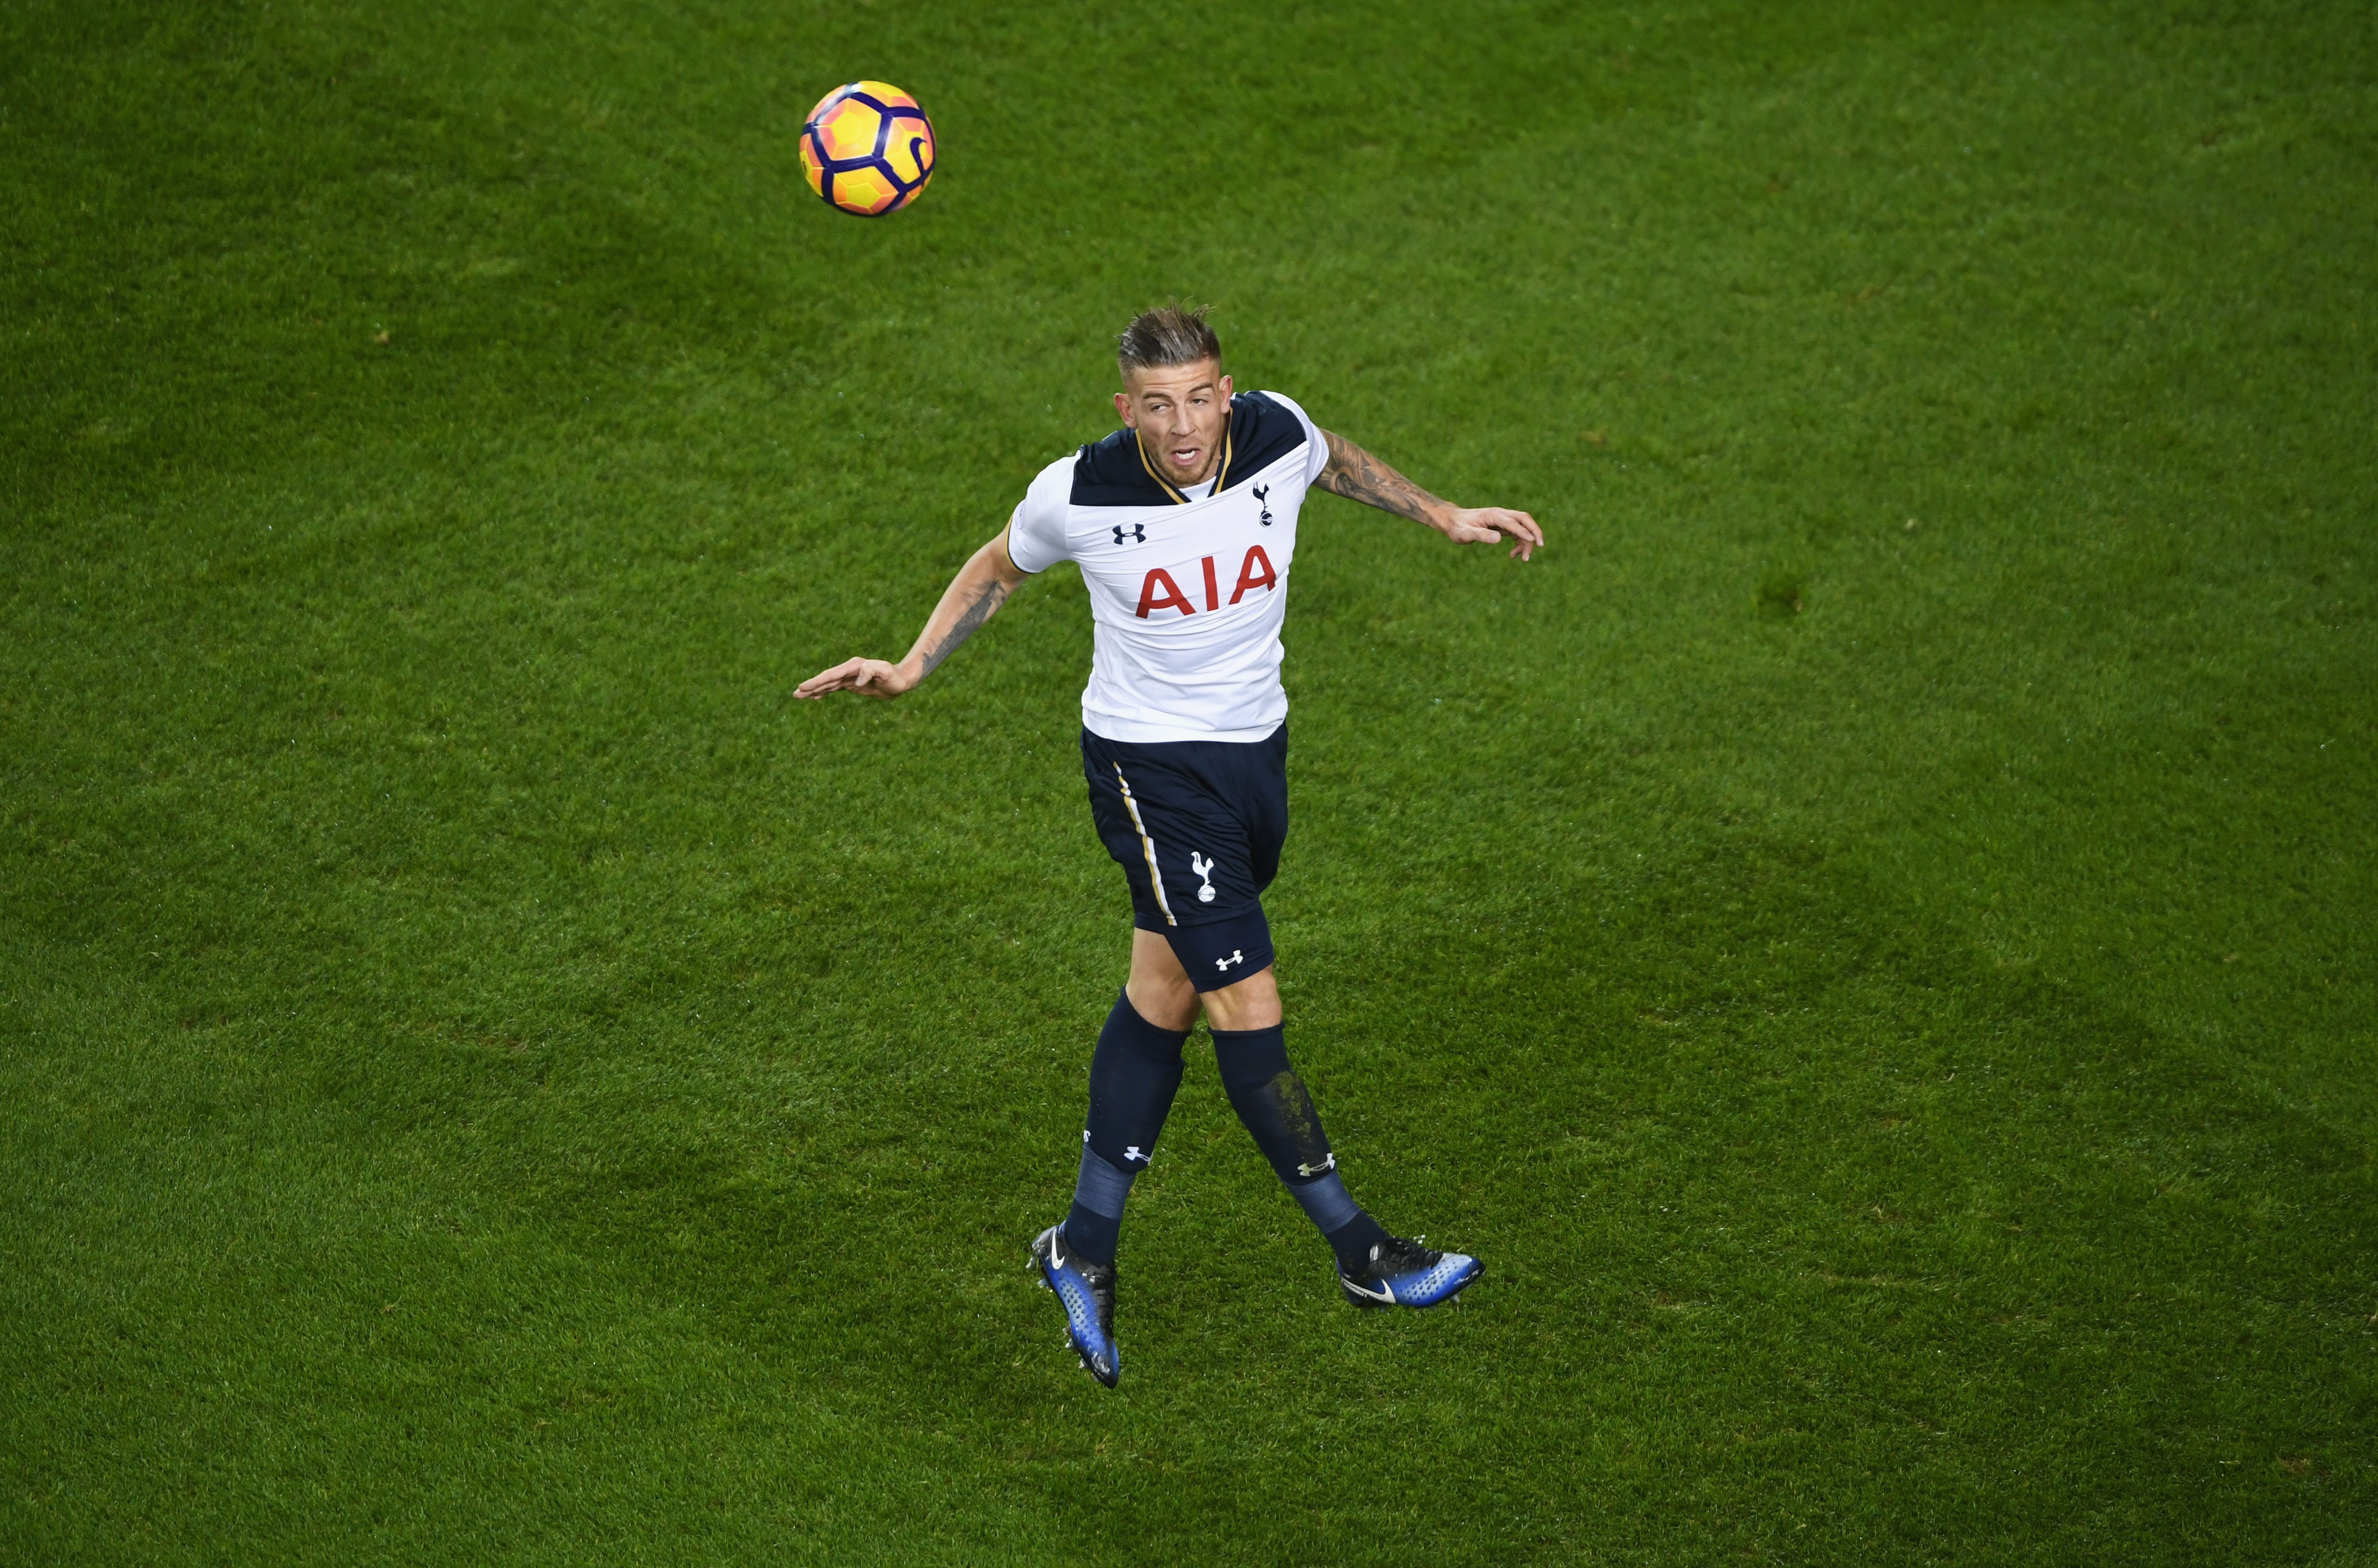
(1117, 472)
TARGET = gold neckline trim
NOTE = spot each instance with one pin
(1221, 470)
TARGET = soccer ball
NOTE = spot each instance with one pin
(868, 149)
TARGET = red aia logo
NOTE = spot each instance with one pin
(1159, 591)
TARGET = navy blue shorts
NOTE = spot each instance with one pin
(1196, 826)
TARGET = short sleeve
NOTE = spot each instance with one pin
(1035, 534)
(1316, 450)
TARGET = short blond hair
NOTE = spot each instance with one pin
(1168, 335)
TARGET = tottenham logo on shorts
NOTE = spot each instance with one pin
(1139, 533)
(1263, 500)
(1205, 870)
(1236, 957)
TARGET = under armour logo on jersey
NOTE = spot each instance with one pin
(1205, 872)
(1139, 532)
(1236, 957)
(1263, 500)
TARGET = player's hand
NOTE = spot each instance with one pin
(869, 677)
(1478, 525)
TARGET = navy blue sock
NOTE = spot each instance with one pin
(1353, 1242)
(1095, 1219)
(1134, 1075)
(1278, 1113)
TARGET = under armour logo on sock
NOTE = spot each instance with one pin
(1205, 872)
(1130, 1152)
(1236, 957)
(1328, 1163)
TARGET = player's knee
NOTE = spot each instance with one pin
(1251, 1003)
(1167, 1002)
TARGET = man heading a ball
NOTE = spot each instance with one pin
(1184, 523)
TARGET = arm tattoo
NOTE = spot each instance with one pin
(1357, 475)
(993, 594)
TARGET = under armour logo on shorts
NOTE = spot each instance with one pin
(1236, 957)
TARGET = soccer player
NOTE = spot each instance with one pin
(1184, 523)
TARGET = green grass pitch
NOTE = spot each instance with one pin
(1870, 935)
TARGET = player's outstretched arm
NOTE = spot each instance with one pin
(1357, 475)
(972, 598)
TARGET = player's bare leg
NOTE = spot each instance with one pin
(1160, 992)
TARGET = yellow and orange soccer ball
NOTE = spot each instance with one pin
(868, 149)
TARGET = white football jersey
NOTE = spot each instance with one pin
(1188, 590)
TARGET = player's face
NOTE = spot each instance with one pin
(1180, 412)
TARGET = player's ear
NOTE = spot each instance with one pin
(1122, 407)
(1225, 388)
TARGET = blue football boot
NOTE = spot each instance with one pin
(1086, 1291)
(1405, 1274)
